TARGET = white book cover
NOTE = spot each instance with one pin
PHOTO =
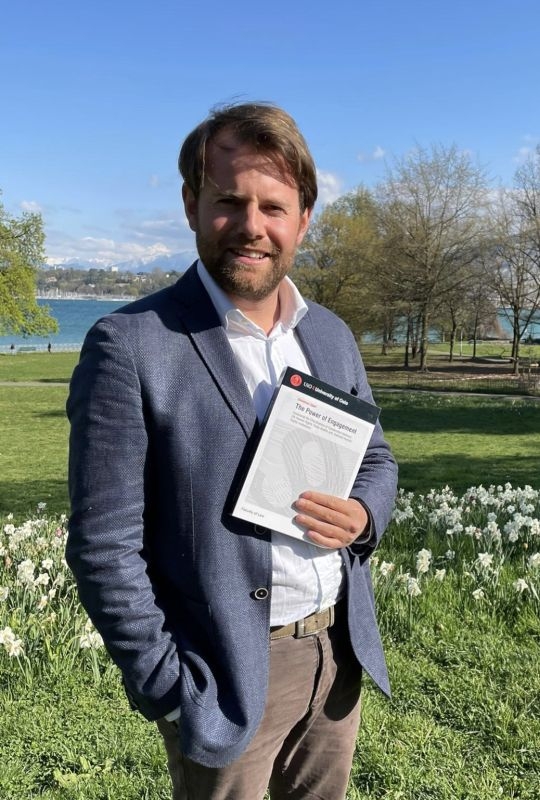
(314, 437)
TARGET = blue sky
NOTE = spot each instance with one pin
(97, 98)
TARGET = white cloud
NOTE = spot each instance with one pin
(31, 206)
(171, 227)
(376, 154)
(330, 187)
(133, 238)
(104, 251)
(527, 149)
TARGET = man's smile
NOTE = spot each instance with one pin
(251, 255)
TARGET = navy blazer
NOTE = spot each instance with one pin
(161, 424)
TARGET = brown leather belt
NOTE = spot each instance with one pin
(308, 626)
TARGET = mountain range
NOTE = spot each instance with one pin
(167, 263)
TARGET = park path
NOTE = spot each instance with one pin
(381, 390)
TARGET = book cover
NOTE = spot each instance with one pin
(314, 436)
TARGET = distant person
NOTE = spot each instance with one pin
(49, 347)
(245, 645)
(12, 348)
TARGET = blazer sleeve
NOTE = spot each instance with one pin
(105, 547)
(376, 483)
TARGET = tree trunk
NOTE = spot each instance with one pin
(407, 342)
(424, 341)
(475, 334)
(452, 341)
(515, 342)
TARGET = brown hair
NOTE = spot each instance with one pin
(265, 127)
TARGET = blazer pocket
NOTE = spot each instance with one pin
(198, 663)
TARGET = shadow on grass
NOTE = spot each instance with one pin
(417, 475)
(460, 472)
(22, 497)
(489, 416)
(56, 413)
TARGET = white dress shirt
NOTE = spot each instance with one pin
(305, 578)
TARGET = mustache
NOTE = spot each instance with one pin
(271, 250)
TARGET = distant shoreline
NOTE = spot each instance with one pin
(99, 298)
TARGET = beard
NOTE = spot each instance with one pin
(238, 279)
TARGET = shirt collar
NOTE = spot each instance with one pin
(292, 306)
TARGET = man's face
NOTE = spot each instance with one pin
(247, 219)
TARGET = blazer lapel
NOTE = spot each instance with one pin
(319, 352)
(209, 339)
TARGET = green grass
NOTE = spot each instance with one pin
(440, 439)
(499, 349)
(463, 721)
(437, 439)
(33, 448)
(44, 367)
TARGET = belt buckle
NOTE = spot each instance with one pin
(300, 629)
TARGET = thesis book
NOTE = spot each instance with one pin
(314, 436)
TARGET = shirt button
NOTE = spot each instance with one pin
(261, 530)
(261, 593)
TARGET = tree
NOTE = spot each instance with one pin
(431, 216)
(513, 257)
(470, 308)
(21, 254)
(337, 255)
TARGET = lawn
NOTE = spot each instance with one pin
(33, 449)
(442, 439)
(42, 367)
(457, 580)
(436, 440)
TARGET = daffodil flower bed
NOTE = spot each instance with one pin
(42, 623)
(483, 545)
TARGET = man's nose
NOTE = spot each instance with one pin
(252, 221)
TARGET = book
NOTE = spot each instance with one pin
(314, 436)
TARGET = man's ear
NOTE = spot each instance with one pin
(304, 225)
(190, 206)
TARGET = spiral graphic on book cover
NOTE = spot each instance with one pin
(294, 461)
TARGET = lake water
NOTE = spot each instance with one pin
(75, 317)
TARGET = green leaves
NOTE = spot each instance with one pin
(21, 253)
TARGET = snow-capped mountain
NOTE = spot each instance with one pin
(167, 263)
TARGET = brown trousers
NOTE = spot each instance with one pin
(304, 747)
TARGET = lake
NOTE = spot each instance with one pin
(75, 317)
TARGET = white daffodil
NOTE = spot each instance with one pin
(534, 561)
(484, 560)
(413, 587)
(423, 560)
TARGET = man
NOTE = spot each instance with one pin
(245, 645)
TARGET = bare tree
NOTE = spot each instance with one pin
(431, 206)
(468, 309)
(513, 258)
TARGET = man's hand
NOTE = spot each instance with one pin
(331, 521)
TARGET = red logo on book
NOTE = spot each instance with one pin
(296, 380)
